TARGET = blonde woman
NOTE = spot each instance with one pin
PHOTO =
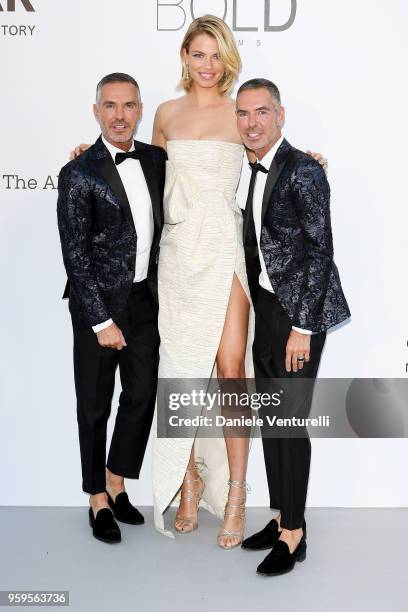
(203, 289)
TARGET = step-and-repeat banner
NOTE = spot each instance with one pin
(340, 66)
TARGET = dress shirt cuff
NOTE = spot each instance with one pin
(101, 326)
(302, 331)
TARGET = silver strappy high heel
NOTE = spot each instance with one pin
(190, 495)
(240, 484)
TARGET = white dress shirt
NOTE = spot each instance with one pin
(259, 189)
(134, 183)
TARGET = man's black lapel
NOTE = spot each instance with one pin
(152, 180)
(106, 168)
(248, 228)
(276, 167)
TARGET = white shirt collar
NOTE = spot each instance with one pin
(268, 158)
(113, 150)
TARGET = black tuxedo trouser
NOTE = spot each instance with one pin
(287, 459)
(94, 370)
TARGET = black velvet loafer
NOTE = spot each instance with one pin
(104, 526)
(123, 510)
(280, 560)
(264, 539)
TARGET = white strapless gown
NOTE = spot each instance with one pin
(200, 250)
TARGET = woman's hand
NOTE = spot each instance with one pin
(78, 151)
(319, 158)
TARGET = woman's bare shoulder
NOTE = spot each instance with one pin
(230, 104)
(230, 107)
(232, 134)
(170, 106)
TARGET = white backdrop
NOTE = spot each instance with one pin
(340, 68)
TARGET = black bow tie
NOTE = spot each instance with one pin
(120, 157)
(257, 167)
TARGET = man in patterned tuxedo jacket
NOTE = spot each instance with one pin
(297, 296)
(110, 220)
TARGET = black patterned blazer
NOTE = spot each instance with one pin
(296, 242)
(97, 231)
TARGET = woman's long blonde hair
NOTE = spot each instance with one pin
(229, 54)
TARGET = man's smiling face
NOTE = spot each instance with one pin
(259, 118)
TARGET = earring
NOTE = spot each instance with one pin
(187, 77)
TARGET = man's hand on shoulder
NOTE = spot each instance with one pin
(111, 337)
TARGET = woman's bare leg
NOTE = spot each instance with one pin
(231, 365)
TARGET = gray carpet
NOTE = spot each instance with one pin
(356, 561)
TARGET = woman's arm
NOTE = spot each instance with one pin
(158, 137)
(316, 156)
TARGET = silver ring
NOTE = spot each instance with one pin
(301, 358)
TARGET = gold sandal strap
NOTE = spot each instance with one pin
(240, 516)
(236, 534)
(240, 484)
